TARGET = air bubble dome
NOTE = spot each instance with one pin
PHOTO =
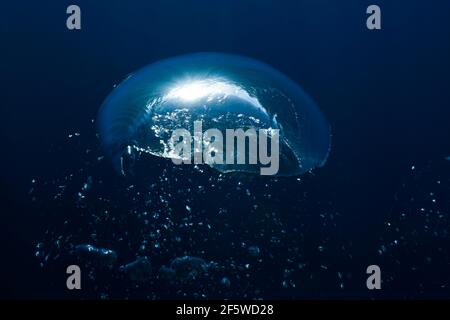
(225, 92)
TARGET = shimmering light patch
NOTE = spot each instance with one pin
(209, 89)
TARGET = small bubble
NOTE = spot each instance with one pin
(225, 282)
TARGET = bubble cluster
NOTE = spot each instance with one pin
(185, 232)
(414, 244)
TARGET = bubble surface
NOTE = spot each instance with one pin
(223, 91)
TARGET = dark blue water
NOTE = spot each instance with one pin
(382, 198)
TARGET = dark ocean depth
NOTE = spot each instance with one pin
(382, 198)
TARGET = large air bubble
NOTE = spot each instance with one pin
(223, 92)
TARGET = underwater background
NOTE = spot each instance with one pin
(383, 196)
